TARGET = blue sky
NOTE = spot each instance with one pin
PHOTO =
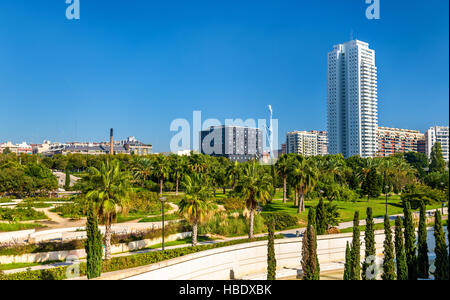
(136, 65)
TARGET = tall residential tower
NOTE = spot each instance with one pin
(352, 100)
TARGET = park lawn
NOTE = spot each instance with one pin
(171, 217)
(346, 208)
(131, 216)
(7, 227)
(5, 267)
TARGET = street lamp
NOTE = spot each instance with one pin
(442, 185)
(385, 192)
(162, 199)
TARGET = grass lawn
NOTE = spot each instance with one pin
(5, 227)
(23, 265)
(171, 217)
(346, 208)
(139, 215)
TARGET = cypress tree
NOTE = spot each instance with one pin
(67, 182)
(93, 246)
(312, 218)
(423, 264)
(369, 240)
(312, 222)
(348, 262)
(410, 242)
(355, 270)
(271, 260)
(402, 267)
(321, 218)
(388, 262)
(437, 163)
(309, 255)
(441, 263)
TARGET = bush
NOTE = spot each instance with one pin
(21, 214)
(416, 194)
(281, 220)
(233, 204)
(225, 225)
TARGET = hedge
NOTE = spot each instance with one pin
(125, 262)
(281, 220)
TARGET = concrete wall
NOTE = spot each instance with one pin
(80, 253)
(240, 261)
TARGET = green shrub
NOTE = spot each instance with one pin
(21, 214)
(233, 204)
(281, 220)
(416, 194)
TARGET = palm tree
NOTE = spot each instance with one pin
(178, 169)
(282, 168)
(254, 186)
(110, 194)
(305, 178)
(195, 205)
(161, 170)
(142, 170)
(233, 172)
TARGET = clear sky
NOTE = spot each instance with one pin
(136, 65)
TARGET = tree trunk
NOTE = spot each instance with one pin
(194, 234)
(176, 190)
(284, 189)
(252, 219)
(108, 240)
(295, 197)
(301, 202)
(160, 187)
(224, 191)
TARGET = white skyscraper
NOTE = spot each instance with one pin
(437, 134)
(352, 100)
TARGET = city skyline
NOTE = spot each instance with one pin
(76, 88)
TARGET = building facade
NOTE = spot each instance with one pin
(233, 142)
(395, 140)
(307, 143)
(352, 100)
(437, 134)
(22, 148)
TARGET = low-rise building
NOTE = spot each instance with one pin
(16, 148)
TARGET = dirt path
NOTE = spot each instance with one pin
(56, 221)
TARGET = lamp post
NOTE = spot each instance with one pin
(386, 193)
(442, 185)
(162, 199)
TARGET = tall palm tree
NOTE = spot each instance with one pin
(233, 172)
(177, 164)
(110, 194)
(254, 186)
(195, 204)
(305, 178)
(161, 170)
(282, 168)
